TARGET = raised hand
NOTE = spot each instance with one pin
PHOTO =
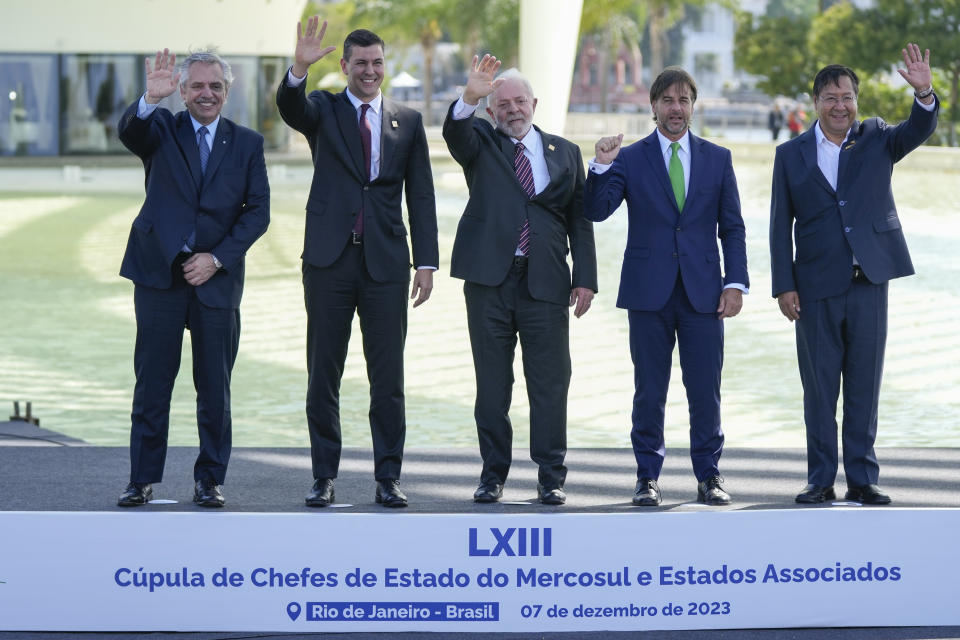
(607, 149)
(480, 80)
(309, 45)
(917, 72)
(161, 78)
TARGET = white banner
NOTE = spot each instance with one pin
(337, 572)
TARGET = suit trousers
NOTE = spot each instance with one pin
(162, 315)
(842, 336)
(332, 295)
(496, 316)
(653, 335)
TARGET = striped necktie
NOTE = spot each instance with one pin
(525, 175)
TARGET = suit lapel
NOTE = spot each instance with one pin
(389, 135)
(808, 150)
(348, 121)
(550, 156)
(188, 146)
(698, 164)
(653, 154)
(846, 151)
(221, 144)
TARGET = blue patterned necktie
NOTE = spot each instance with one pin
(203, 147)
(525, 175)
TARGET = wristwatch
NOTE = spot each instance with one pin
(923, 94)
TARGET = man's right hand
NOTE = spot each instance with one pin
(789, 303)
(161, 79)
(309, 46)
(607, 149)
(480, 81)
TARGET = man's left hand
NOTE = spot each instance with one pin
(422, 285)
(581, 297)
(731, 301)
(917, 72)
(199, 268)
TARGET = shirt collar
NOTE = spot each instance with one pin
(212, 127)
(375, 104)
(531, 141)
(821, 136)
(665, 142)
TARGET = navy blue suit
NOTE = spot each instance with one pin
(225, 209)
(671, 284)
(815, 233)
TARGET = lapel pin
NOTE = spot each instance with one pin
(551, 147)
(853, 142)
(394, 124)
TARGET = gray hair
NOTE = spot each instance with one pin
(205, 56)
(511, 74)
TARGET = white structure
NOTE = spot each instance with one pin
(548, 47)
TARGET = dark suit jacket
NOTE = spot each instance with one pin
(228, 205)
(661, 240)
(859, 218)
(490, 226)
(340, 188)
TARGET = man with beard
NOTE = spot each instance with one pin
(681, 196)
(525, 205)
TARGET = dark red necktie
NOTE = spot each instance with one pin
(365, 137)
(525, 175)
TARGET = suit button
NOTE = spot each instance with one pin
(675, 255)
(679, 229)
(366, 188)
(846, 229)
(843, 203)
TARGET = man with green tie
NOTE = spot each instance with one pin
(681, 196)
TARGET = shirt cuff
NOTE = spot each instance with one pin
(462, 110)
(597, 167)
(737, 285)
(144, 109)
(431, 268)
(927, 107)
(216, 263)
(294, 81)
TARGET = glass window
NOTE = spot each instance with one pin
(28, 105)
(271, 125)
(97, 89)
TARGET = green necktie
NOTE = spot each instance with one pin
(676, 175)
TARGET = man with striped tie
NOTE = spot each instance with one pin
(524, 210)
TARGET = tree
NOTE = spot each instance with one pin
(775, 49)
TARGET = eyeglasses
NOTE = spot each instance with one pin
(832, 101)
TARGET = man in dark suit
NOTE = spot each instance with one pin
(207, 201)
(681, 196)
(522, 218)
(832, 198)
(366, 150)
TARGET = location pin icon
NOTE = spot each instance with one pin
(293, 610)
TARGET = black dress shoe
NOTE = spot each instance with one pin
(136, 494)
(389, 494)
(207, 493)
(867, 494)
(488, 492)
(814, 493)
(710, 492)
(646, 493)
(322, 493)
(553, 497)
